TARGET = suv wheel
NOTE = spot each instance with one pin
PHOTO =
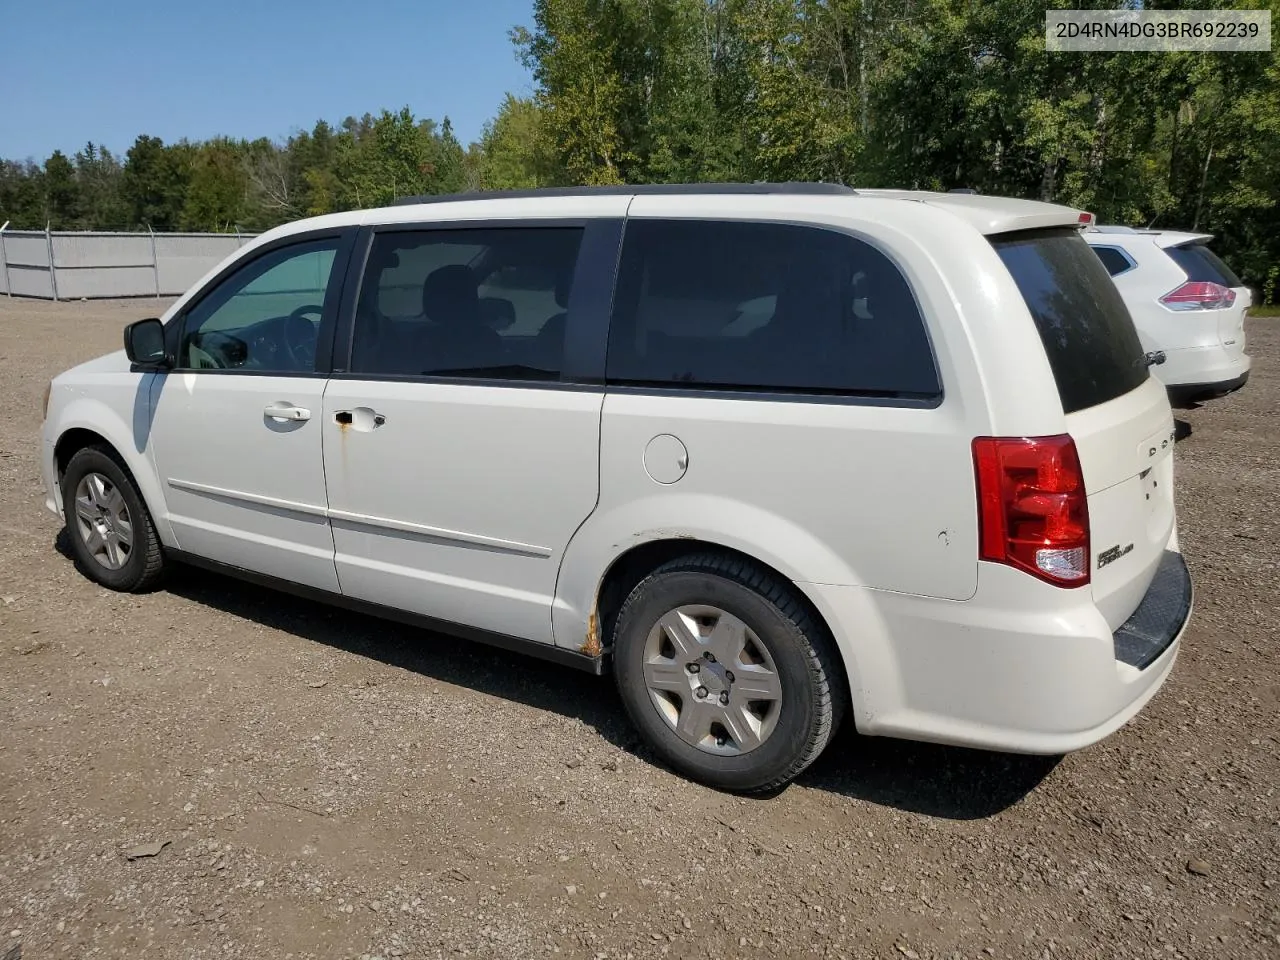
(726, 674)
(111, 533)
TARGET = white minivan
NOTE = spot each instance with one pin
(773, 454)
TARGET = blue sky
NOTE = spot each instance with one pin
(106, 71)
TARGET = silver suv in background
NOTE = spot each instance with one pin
(1186, 303)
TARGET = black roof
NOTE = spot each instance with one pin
(811, 189)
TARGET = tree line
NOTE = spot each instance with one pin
(926, 94)
(225, 184)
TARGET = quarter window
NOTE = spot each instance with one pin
(768, 307)
(480, 303)
(1113, 259)
(265, 317)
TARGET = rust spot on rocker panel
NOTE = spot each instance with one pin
(591, 646)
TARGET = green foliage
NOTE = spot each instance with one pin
(929, 94)
(225, 184)
(380, 159)
(98, 175)
(514, 152)
(21, 194)
(154, 182)
(61, 194)
(218, 187)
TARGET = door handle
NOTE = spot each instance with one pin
(362, 418)
(286, 411)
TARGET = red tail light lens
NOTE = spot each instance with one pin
(1199, 295)
(1032, 510)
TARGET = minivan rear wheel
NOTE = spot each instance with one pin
(726, 673)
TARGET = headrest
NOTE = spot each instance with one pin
(563, 282)
(451, 294)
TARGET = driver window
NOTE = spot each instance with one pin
(265, 316)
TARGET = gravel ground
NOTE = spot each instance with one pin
(327, 785)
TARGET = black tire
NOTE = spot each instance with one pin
(144, 566)
(803, 653)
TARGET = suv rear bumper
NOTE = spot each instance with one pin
(1184, 393)
(1013, 669)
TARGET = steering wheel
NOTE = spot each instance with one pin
(300, 335)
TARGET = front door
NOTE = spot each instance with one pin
(458, 464)
(236, 426)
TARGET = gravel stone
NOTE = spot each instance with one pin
(475, 788)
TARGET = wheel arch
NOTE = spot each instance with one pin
(627, 567)
(97, 425)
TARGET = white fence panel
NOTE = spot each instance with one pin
(30, 282)
(86, 284)
(26, 265)
(79, 250)
(88, 265)
(26, 249)
(182, 260)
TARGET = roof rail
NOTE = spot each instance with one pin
(800, 188)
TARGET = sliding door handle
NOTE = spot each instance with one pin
(286, 411)
(361, 418)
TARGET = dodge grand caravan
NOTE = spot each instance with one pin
(773, 454)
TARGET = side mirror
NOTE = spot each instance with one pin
(144, 345)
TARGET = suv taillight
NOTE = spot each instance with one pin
(1032, 511)
(1199, 295)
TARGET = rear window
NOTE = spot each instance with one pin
(1202, 265)
(1086, 329)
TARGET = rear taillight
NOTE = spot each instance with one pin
(1199, 295)
(1032, 510)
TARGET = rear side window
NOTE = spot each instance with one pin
(1202, 265)
(1086, 329)
(482, 303)
(765, 306)
(1113, 259)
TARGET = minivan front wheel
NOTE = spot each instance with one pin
(726, 673)
(112, 536)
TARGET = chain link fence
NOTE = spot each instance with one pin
(55, 265)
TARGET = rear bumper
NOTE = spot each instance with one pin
(1184, 393)
(1143, 638)
(1015, 668)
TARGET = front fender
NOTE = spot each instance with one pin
(121, 415)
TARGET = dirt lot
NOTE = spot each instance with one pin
(333, 786)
